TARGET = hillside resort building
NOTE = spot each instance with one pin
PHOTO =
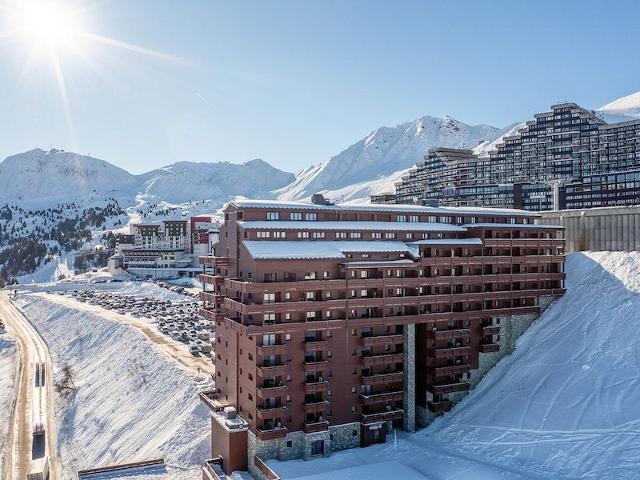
(164, 250)
(566, 158)
(335, 324)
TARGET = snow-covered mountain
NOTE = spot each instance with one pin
(190, 182)
(622, 109)
(38, 177)
(385, 152)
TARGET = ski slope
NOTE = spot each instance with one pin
(564, 405)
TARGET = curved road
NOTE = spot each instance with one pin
(34, 401)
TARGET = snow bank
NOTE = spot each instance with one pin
(566, 404)
(8, 378)
(131, 403)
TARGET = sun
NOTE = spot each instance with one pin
(48, 26)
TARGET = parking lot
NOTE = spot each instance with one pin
(178, 320)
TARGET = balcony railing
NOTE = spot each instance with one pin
(383, 416)
(440, 406)
(449, 370)
(451, 352)
(449, 387)
(388, 339)
(380, 378)
(272, 433)
(489, 347)
(382, 397)
(315, 426)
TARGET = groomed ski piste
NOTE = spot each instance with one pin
(565, 405)
(131, 402)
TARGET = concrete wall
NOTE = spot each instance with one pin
(596, 229)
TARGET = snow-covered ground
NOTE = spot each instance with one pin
(8, 377)
(564, 405)
(131, 402)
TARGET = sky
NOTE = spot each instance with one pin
(296, 82)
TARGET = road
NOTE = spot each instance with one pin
(34, 399)
(178, 352)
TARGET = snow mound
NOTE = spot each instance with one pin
(132, 403)
(565, 404)
(8, 378)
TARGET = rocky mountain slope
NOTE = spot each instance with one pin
(384, 152)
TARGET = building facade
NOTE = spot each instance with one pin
(565, 158)
(335, 324)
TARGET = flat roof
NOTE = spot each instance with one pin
(351, 225)
(320, 249)
(376, 207)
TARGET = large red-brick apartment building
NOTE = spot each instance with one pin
(336, 323)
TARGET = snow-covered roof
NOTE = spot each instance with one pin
(347, 225)
(323, 249)
(514, 226)
(372, 263)
(276, 204)
(448, 241)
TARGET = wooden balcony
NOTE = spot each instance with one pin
(442, 406)
(451, 334)
(379, 340)
(451, 352)
(271, 370)
(214, 261)
(316, 345)
(383, 397)
(312, 427)
(383, 378)
(315, 387)
(449, 387)
(271, 413)
(274, 391)
(491, 330)
(271, 433)
(449, 370)
(382, 359)
(211, 315)
(276, 349)
(489, 347)
(211, 279)
(316, 406)
(384, 416)
(211, 297)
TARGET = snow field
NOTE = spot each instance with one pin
(8, 379)
(131, 402)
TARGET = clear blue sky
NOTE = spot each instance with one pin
(294, 82)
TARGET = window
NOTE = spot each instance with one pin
(326, 274)
(269, 298)
(279, 234)
(311, 296)
(296, 216)
(318, 235)
(269, 318)
(409, 236)
(414, 218)
(310, 276)
(273, 215)
(310, 216)
(303, 234)
(355, 235)
(432, 219)
(390, 235)
(376, 235)
(287, 337)
(401, 218)
(287, 296)
(287, 316)
(263, 234)
(328, 314)
(341, 234)
(311, 315)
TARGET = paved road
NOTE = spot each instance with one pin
(34, 400)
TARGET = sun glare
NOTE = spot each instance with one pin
(48, 27)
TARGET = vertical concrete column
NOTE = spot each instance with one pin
(409, 377)
(625, 233)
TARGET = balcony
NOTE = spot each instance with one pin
(314, 361)
(211, 279)
(271, 433)
(383, 416)
(311, 345)
(451, 352)
(211, 315)
(215, 261)
(269, 412)
(269, 389)
(315, 426)
(383, 397)
(271, 369)
(491, 330)
(211, 297)
(380, 340)
(372, 360)
(315, 386)
(383, 378)
(441, 406)
(449, 370)
(275, 349)
(451, 334)
(315, 406)
(489, 347)
(449, 387)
